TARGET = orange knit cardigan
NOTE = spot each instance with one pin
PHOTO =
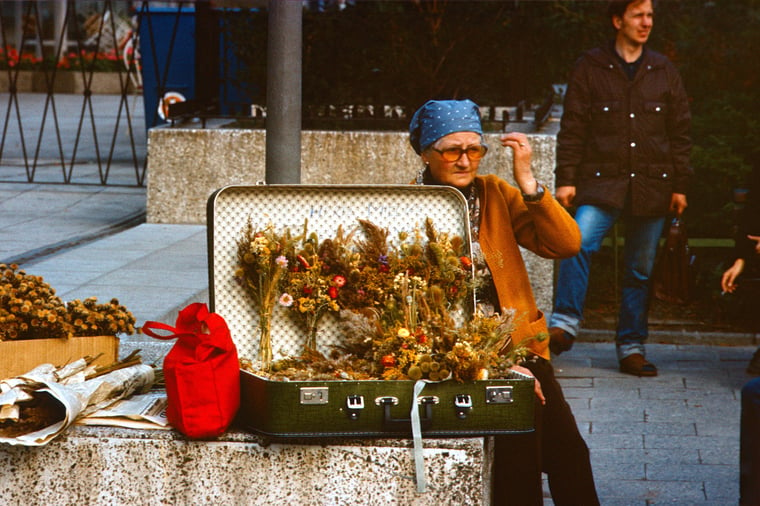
(508, 222)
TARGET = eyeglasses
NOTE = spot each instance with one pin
(454, 154)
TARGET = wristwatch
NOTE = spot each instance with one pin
(534, 197)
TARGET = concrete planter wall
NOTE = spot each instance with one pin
(185, 165)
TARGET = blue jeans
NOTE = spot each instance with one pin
(749, 450)
(641, 239)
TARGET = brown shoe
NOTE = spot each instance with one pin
(560, 340)
(637, 365)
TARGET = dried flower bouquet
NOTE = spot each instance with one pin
(30, 309)
(405, 305)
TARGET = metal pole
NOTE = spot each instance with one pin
(206, 56)
(283, 148)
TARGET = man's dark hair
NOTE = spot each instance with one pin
(618, 7)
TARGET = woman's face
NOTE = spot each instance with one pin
(459, 173)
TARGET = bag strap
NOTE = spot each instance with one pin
(189, 321)
(188, 330)
(149, 328)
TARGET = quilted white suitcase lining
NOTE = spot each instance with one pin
(395, 207)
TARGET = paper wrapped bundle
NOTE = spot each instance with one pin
(38, 406)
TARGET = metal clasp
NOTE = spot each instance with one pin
(499, 394)
(462, 405)
(427, 399)
(313, 395)
(388, 400)
(354, 405)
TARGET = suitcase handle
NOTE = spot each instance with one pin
(403, 424)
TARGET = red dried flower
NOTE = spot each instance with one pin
(340, 281)
(332, 292)
(388, 361)
(466, 262)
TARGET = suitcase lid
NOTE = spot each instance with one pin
(394, 207)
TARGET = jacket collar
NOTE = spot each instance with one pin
(605, 56)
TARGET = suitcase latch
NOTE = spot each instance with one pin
(499, 395)
(354, 405)
(313, 395)
(462, 405)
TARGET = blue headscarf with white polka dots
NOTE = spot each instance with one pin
(442, 117)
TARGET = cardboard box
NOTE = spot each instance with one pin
(18, 357)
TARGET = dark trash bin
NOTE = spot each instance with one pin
(167, 50)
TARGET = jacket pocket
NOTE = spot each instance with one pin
(653, 107)
(654, 116)
(605, 116)
(660, 171)
(597, 170)
(605, 107)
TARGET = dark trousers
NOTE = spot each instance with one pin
(749, 449)
(556, 447)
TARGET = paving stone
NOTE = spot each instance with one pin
(647, 490)
(604, 456)
(696, 442)
(661, 428)
(691, 472)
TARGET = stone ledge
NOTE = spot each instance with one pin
(104, 465)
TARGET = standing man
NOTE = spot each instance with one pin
(623, 152)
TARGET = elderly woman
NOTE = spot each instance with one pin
(448, 137)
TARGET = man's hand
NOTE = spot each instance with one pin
(678, 204)
(728, 280)
(756, 239)
(565, 195)
(536, 385)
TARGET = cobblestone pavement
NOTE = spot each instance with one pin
(672, 439)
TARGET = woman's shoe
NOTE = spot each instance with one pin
(637, 365)
(560, 340)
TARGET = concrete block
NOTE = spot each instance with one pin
(91, 465)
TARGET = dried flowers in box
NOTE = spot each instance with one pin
(405, 305)
(30, 309)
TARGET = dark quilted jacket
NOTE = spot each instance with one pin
(624, 139)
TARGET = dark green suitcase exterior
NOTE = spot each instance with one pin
(378, 408)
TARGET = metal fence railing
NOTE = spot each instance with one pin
(71, 107)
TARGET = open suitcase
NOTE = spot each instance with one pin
(371, 408)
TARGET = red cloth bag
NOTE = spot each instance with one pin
(201, 372)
